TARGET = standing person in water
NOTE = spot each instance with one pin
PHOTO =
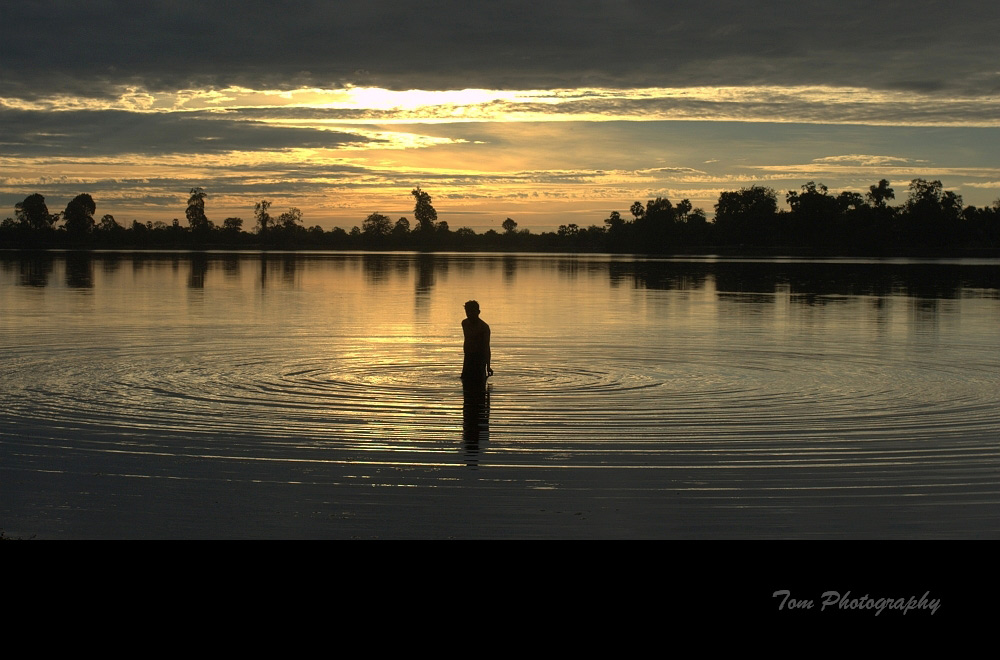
(476, 368)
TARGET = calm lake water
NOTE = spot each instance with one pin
(317, 395)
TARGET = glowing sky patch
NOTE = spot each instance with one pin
(812, 104)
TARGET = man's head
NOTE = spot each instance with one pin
(472, 309)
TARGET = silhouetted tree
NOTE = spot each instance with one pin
(660, 208)
(984, 225)
(813, 202)
(747, 216)
(290, 219)
(850, 201)
(376, 225)
(615, 221)
(697, 221)
(814, 215)
(951, 204)
(637, 210)
(654, 226)
(424, 213)
(932, 215)
(108, 224)
(465, 236)
(924, 195)
(401, 228)
(33, 215)
(932, 220)
(875, 230)
(878, 194)
(139, 233)
(284, 230)
(79, 214)
(195, 212)
(261, 217)
(315, 235)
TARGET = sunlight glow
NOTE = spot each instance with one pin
(543, 157)
(814, 104)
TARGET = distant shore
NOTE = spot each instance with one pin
(933, 222)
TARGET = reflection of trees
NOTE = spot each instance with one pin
(289, 269)
(111, 262)
(35, 269)
(285, 265)
(426, 277)
(140, 262)
(683, 276)
(810, 281)
(747, 277)
(376, 267)
(231, 265)
(475, 422)
(199, 268)
(925, 314)
(79, 270)
(402, 266)
(509, 268)
(568, 267)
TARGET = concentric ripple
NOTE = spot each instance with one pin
(685, 390)
(293, 395)
(703, 395)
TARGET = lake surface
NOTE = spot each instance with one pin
(317, 396)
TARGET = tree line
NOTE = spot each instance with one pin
(930, 221)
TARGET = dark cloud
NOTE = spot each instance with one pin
(83, 48)
(112, 132)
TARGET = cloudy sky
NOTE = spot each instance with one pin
(545, 111)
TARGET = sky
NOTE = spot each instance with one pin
(547, 112)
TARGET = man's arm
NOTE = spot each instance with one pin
(489, 354)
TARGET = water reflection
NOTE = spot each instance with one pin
(426, 277)
(509, 268)
(34, 269)
(199, 268)
(814, 280)
(667, 276)
(475, 422)
(739, 389)
(110, 262)
(79, 270)
(377, 267)
(811, 282)
(280, 268)
(231, 266)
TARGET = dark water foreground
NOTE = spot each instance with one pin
(316, 396)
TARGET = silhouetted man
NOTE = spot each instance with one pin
(476, 368)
